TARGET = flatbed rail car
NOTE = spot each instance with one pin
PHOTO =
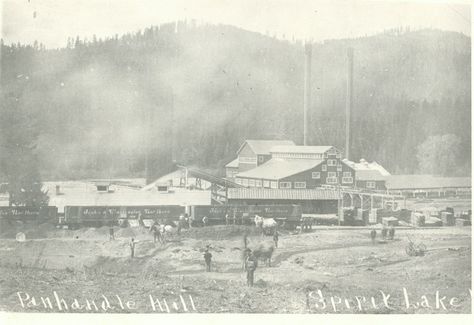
(245, 214)
(77, 216)
(38, 215)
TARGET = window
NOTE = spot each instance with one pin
(315, 175)
(266, 183)
(274, 184)
(331, 180)
(260, 159)
(300, 184)
(325, 168)
(370, 184)
(338, 156)
(258, 183)
(285, 184)
(251, 182)
(247, 160)
(238, 181)
(332, 174)
(347, 180)
(332, 162)
(346, 174)
(339, 168)
(245, 182)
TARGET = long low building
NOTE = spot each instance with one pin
(80, 193)
(312, 201)
(428, 185)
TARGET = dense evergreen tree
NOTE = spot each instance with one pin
(18, 161)
(211, 87)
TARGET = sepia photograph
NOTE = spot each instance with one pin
(235, 157)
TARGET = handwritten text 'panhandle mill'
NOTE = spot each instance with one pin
(113, 303)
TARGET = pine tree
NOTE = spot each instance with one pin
(18, 160)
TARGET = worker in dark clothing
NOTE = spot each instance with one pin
(132, 247)
(275, 238)
(391, 233)
(111, 233)
(207, 259)
(373, 234)
(384, 233)
(250, 267)
(156, 233)
(246, 241)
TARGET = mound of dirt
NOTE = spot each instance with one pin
(31, 230)
(220, 232)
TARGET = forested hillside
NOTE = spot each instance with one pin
(202, 90)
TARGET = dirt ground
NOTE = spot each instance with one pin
(329, 270)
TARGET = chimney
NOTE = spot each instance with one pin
(349, 95)
(307, 90)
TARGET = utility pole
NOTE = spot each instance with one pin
(307, 90)
(349, 97)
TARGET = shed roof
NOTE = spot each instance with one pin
(281, 194)
(86, 194)
(277, 168)
(412, 182)
(262, 147)
(233, 164)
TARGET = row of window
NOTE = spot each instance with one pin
(287, 185)
(297, 155)
(317, 175)
(325, 167)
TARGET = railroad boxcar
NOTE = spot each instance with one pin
(245, 214)
(28, 214)
(97, 216)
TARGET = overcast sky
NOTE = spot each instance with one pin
(53, 21)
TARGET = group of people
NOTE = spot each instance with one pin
(250, 263)
(387, 233)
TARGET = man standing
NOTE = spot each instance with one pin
(250, 266)
(204, 221)
(132, 248)
(246, 241)
(227, 219)
(391, 233)
(111, 233)
(207, 259)
(156, 233)
(275, 238)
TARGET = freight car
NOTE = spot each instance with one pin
(9, 215)
(244, 214)
(96, 216)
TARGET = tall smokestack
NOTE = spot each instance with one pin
(349, 97)
(307, 90)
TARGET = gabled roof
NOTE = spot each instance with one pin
(277, 168)
(364, 165)
(301, 149)
(233, 164)
(365, 171)
(369, 175)
(262, 147)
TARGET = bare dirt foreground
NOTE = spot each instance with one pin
(326, 271)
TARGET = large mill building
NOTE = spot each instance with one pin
(284, 165)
